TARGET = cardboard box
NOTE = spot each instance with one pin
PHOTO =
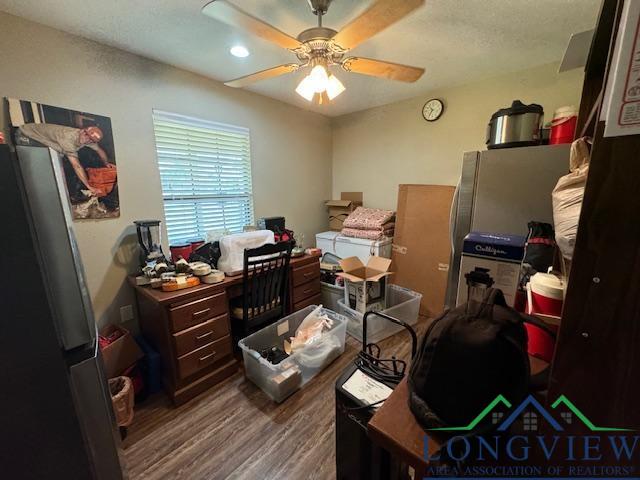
(339, 210)
(120, 354)
(422, 245)
(497, 257)
(365, 286)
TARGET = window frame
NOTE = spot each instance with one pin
(205, 202)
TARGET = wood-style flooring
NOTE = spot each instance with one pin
(235, 431)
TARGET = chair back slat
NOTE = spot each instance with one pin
(264, 284)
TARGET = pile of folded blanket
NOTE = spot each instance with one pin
(369, 223)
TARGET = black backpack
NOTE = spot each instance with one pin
(469, 356)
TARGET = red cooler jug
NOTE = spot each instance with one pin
(545, 293)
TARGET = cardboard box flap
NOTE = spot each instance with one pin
(356, 271)
(338, 203)
(376, 277)
(350, 277)
(355, 197)
(351, 264)
(378, 264)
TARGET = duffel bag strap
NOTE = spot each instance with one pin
(493, 296)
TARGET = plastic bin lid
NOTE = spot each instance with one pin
(327, 235)
(338, 238)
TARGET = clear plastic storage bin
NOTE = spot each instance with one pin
(402, 303)
(281, 380)
(330, 295)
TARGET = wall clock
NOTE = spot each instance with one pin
(432, 110)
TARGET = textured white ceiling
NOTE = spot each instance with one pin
(456, 41)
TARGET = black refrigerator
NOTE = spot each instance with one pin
(56, 419)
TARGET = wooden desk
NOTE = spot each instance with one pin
(190, 328)
(394, 428)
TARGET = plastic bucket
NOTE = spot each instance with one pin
(182, 250)
(563, 125)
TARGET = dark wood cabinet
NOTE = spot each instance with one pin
(191, 328)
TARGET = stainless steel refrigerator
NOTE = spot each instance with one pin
(57, 420)
(500, 191)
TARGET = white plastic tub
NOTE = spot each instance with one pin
(402, 303)
(280, 381)
(232, 249)
(345, 247)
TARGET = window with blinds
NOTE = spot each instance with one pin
(205, 169)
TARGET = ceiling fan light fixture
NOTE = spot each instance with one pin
(334, 87)
(239, 51)
(319, 78)
(305, 88)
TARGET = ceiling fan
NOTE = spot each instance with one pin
(321, 47)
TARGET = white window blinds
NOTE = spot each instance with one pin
(205, 169)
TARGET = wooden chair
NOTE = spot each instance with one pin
(265, 288)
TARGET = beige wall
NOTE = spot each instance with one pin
(373, 151)
(376, 150)
(48, 66)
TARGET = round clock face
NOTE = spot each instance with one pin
(432, 110)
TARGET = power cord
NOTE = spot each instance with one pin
(385, 370)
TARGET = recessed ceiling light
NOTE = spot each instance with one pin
(239, 51)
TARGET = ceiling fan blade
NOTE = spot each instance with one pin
(378, 68)
(236, 17)
(375, 19)
(262, 75)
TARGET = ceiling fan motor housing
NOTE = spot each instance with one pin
(316, 42)
(319, 7)
(316, 33)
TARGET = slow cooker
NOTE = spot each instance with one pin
(515, 126)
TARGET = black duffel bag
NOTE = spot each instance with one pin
(469, 356)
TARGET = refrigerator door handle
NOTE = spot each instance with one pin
(93, 403)
(453, 212)
(451, 276)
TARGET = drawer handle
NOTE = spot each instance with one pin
(308, 274)
(309, 290)
(204, 335)
(206, 357)
(201, 312)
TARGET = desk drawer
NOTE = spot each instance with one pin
(204, 357)
(304, 274)
(198, 336)
(315, 300)
(196, 312)
(306, 290)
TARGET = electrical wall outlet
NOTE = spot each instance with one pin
(126, 313)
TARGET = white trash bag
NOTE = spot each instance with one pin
(567, 198)
(313, 343)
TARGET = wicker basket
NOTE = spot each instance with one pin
(122, 398)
